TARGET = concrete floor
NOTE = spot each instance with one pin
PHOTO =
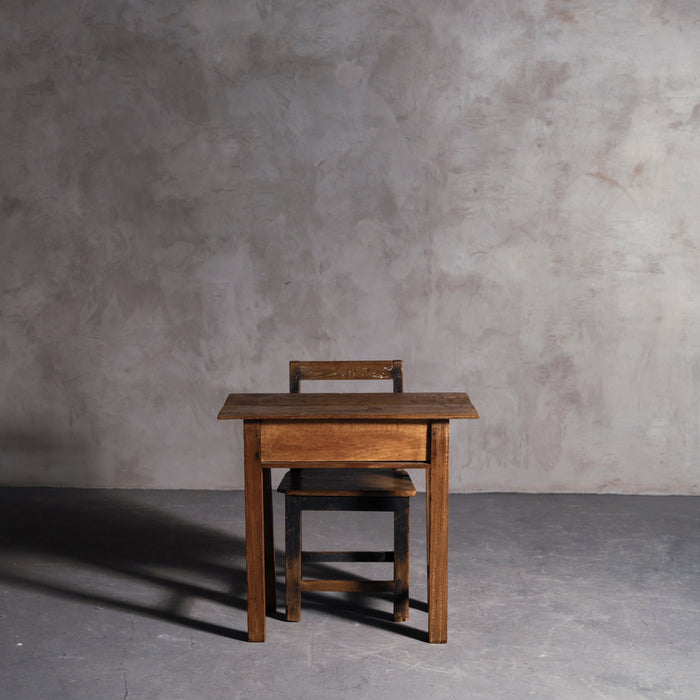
(141, 594)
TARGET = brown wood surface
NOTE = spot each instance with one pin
(257, 409)
(345, 464)
(437, 498)
(365, 441)
(377, 406)
(347, 585)
(348, 369)
(347, 482)
(270, 567)
(254, 532)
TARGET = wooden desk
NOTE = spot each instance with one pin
(402, 430)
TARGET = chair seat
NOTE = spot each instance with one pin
(347, 482)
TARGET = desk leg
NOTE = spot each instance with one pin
(437, 495)
(254, 531)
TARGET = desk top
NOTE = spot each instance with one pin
(348, 406)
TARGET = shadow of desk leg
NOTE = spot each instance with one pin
(254, 531)
(438, 508)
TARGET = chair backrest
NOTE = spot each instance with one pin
(348, 369)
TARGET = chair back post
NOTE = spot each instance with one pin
(397, 375)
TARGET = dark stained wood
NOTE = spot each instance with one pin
(361, 406)
(347, 482)
(270, 573)
(438, 507)
(382, 409)
(292, 558)
(344, 464)
(347, 585)
(254, 532)
(401, 548)
(348, 369)
(371, 498)
(312, 556)
(346, 442)
(346, 489)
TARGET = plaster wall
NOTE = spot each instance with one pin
(503, 194)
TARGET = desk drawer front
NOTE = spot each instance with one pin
(317, 441)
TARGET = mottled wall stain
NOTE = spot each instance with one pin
(503, 194)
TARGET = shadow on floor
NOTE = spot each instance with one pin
(64, 542)
(101, 547)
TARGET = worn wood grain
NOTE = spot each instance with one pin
(367, 441)
(254, 531)
(347, 585)
(338, 406)
(345, 464)
(438, 509)
(347, 482)
(349, 369)
(429, 409)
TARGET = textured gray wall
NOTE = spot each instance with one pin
(502, 193)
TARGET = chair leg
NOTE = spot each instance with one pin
(270, 573)
(292, 569)
(401, 539)
(427, 529)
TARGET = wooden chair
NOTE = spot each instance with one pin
(359, 489)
